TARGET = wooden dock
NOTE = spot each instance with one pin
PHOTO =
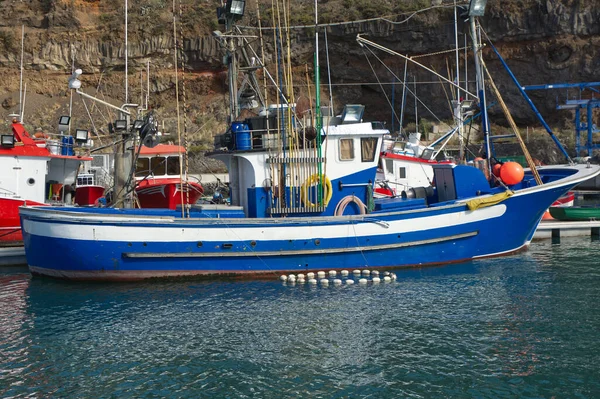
(557, 229)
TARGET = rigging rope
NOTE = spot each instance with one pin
(383, 18)
(185, 135)
(175, 60)
(513, 125)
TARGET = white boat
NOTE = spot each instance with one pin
(33, 171)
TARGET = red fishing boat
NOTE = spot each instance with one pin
(33, 171)
(159, 178)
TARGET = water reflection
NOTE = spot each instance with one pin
(523, 325)
(14, 340)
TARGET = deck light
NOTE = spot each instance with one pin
(137, 124)
(121, 124)
(63, 123)
(81, 135)
(7, 141)
(235, 8)
(477, 8)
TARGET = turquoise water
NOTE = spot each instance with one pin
(524, 326)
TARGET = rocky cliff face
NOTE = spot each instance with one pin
(542, 42)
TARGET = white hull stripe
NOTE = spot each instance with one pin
(225, 232)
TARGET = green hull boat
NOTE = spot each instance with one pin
(575, 213)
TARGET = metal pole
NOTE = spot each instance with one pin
(590, 130)
(319, 122)
(480, 86)
(393, 100)
(403, 95)
(457, 111)
(126, 58)
(147, 83)
(533, 107)
(21, 80)
(416, 111)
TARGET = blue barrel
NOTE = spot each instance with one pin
(242, 136)
(67, 145)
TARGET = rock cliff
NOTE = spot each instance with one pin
(542, 42)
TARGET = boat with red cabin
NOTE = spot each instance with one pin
(159, 178)
(34, 170)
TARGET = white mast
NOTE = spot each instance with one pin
(147, 83)
(457, 111)
(126, 56)
(21, 80)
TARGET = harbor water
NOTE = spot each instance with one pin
(523, 326)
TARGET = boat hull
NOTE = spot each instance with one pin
(88, 195)
(166, 193)
(566, 200)
(575, 213)
(12, 254)
(109, 244)
(10, 225)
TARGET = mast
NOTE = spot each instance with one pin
(319, 120)
(21, 79)
(476, 9)
(457, 110)
(126, 59)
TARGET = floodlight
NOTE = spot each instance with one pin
(121, 124)
(477, 8)
(7, 141)
(81, 135)
(63, 123)
(353, 113)
(236, 7)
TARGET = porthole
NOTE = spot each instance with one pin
(31, 181)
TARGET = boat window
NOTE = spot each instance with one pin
(158, 166)
(346, 149)
(389, 165)
(85, 180)
(427, 153)
(173, 166)
(368, 146)
(142, 167)
(402, 173)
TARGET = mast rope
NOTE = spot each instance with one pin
(185, 135)
(385, 18)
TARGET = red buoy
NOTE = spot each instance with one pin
(496, 169)
(511, 173)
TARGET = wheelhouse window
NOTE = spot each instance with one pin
(173, 166)
(142, 167)
(346, 149)
(389, 165)
(368, 147)
(401, 173)
(158, 166)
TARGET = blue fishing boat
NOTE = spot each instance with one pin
(301, 191)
